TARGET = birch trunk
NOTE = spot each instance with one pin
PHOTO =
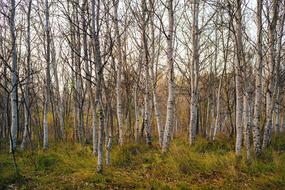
(194, 74)
(154, 77)
(146, 67)
(217, 118)
(137, 120)
(26, 92)
(99, 79)
(59, 106)
(87, 66)
(100, 140)
(170, 74)
(278, 79)
(47, 90)
(94, 99)
(271, 64)
(119, 75)
(78, 78)
(109, 144)
(258, 79)
(14, 96)
(239, 64)
(246, 124)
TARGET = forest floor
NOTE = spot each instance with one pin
(205, 165)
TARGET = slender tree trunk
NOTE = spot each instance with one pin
(26, 90)
(170, 74)
(217, 118)
(109, 145)
(146, 67)
(47, 90)
(277, 112)
(258, 79)
(194, 74)
(14, 96)
(154, 77)
(270, 82)
(99, 79)
(119, 75)
(246, 124)
(239, 64)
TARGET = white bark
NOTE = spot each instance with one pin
(153, 73)
(47, 90)
(110, 135)
(119, 74)
(239, 63)
(99, 79)
(26, 90)
(217, 118)
(246, 124)
(258, 80)
(145, 61)
(14, 96)
(100, 140)
(271, 60)
(194, 74)
(170, 74)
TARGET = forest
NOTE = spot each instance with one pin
(142, 94)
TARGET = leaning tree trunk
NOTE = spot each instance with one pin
(170, 74)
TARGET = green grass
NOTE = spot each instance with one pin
(205, 165)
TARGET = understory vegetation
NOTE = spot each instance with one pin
(204, 165)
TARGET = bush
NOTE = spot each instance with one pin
(124, 156)
(47, 162)
(278, 143)
(220, 146)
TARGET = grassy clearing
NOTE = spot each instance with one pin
(206, 165)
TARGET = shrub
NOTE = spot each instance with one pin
(278, 143)
(47, 162)
(124, 156)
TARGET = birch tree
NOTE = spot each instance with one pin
(272, 22)
(170, 78)
(27, 110)
(48, 80)
(145, 61)
(119, 72)
(14, 96)
(194, 69)
(258, 81)
(238, 74)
